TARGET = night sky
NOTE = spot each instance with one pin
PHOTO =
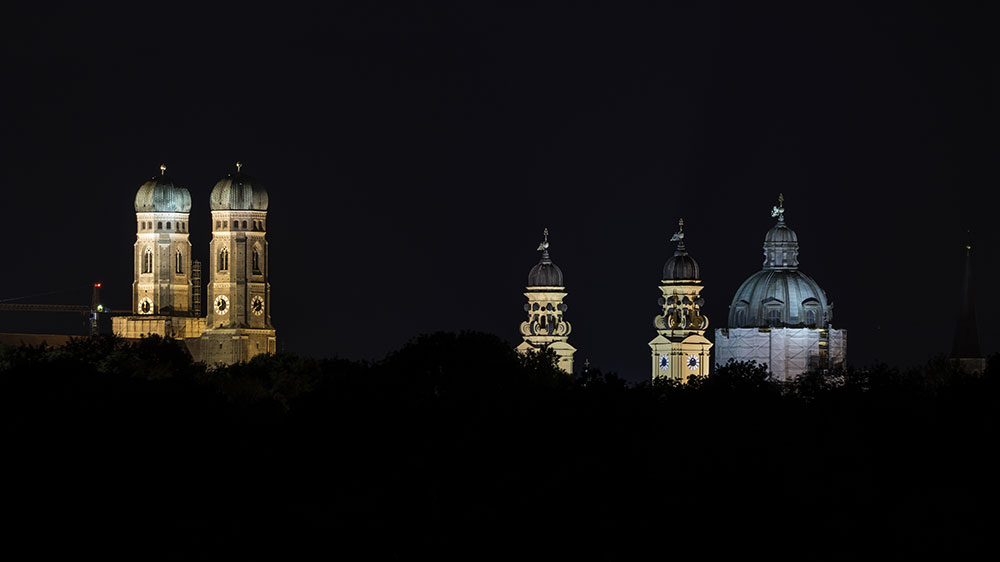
(413, 153)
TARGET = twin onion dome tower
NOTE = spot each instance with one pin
(166, 290)
(779, 316)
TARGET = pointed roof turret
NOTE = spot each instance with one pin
(966, 344)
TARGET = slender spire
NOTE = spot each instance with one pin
(966, 344)
(163, 169)
(238, 166)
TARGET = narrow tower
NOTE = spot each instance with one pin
(162, 256)
(545, 327)
(965, 349)
(161, 286)
(238, 326)
(680, 348)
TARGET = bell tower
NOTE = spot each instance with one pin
(162, 251)
(239, 294)
(680, 348)
(545, 327)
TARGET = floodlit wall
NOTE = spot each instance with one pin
(788, 352)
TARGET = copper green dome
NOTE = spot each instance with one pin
(238, 192)
(162, 195)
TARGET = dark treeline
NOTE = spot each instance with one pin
(457, 447)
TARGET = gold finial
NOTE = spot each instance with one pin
(779, 210)
(781, 200)
(680, 224)
(163, 169)
(546, 233)
(238, 166)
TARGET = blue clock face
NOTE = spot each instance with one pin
(664, 362)
(693, 362)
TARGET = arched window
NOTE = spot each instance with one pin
(159, 225)
(224, 260)
(218, 224)
(255, 260)
(225, 224)
(774, 316)
(179, 267)
(811, 318)
(244, 227)
(147, 261)
(168, 225)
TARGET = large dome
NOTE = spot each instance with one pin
(780, 296)
(238, 192)
(162, 195)
(545, 273)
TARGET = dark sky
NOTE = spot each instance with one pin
(413, 154)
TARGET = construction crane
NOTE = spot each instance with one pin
(93, 312)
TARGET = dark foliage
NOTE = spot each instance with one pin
(457, 447)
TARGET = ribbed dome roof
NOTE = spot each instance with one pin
(780, 233)
(162, 195)
(238, 192)
(780, 295)
(780, 298)
(545, 273)
(680, 266)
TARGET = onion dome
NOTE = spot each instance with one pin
(545, 273)
(162, 195)
(780, 296)
(238, 192)
(680, 266)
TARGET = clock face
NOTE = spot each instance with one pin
(257, 306)
(145, 306)
(664, 362)
(693, 362)
(221, 304)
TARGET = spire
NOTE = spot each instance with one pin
(163, 169)
(966, 344)
(238, 166)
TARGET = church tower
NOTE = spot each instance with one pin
(161, 285)
(238, 326)
(966, 350)
(680, 348)
(545, 327)
(162, 256)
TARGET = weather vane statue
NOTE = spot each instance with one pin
(679, 235)
(779, 210)
(545, 243)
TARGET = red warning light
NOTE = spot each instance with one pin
(98, 285)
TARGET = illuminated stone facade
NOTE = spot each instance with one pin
(780, 316)
(545, 327)
(238, 323)
(680, 348)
